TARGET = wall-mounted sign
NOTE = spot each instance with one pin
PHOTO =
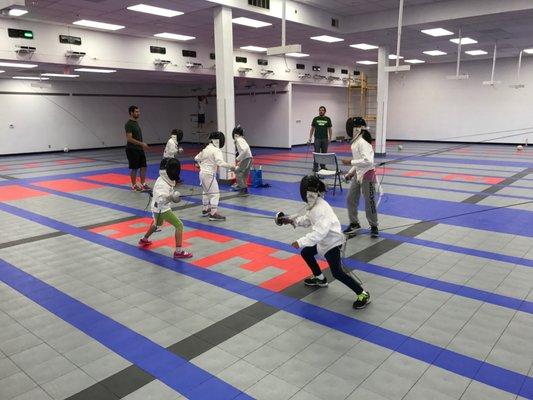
(70, 40)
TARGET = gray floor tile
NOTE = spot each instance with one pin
(328, 386)
(297, 372)
(50, 370)
(271, 387)
(155, 390)
(242, 375)
(14, 385)
(68, 384)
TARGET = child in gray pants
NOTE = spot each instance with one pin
(244, 160)
(363, 171)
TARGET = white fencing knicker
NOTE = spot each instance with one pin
(210, 191)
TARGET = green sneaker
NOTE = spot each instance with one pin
(362, 300)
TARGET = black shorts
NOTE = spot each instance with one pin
(201, 118)
(136, 158)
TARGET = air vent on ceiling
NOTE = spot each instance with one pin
(335, 22)
(260, 3)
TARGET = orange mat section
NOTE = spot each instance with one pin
(68, 185)
(16, 192)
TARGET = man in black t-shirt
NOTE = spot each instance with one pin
(321, 128)
(135, 149)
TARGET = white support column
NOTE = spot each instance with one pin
(382, 98)
(224, 83)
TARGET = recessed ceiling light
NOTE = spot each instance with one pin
(415, 61)
(528, 51)
(17, 65)
(174, 36)
(465, 40)
(96, 70)
(98, 25)
(366, 62)
(163, 12)
(31, 78)
(364, 46)
(327, 39)
(61, 75)
(1, 72)
(394, 57)
(254, 48)
(253, 23)
(437, 32)
(476, 52)
(17, 12)
(434, 53)
(297, 55)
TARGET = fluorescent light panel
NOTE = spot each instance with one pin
(163, 12)
(96, 70)
(528, 51)
(437, 32)
(98, 25)
(394, 57)
(254, 48)
(465, 40)
(174, 36)
(17, 12)
(1, 72)
(366, 62)
(434, 53)
(253, 23)
(415, 61)
(327, 39)
(363, 46)
(60, 75)
(476, 52)
(297, 55)
(17, 65)
(31, 78)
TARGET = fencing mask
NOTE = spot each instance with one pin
(176, 135)
(238, 130)
(354, 123)
(172, 168)
(218, 139)
(311, 187)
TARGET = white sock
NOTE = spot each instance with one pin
(321, 276)
(178, 249)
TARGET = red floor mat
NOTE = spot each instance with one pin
(68, 185)
(16, 192)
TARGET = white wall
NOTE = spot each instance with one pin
(51, 122)
(265, 117)
(305, 102)
(424, 105)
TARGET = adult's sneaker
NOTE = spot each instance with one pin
(374, 232)
(352, 228)
(362, 300)
(182, 254)
(216, 217)
(314, 281)
(205, 213)
(243, 192)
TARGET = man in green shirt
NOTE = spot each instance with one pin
(135, 149)
(321, 128)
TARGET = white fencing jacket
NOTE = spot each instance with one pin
(171, 149)
(210, 158)
(362, 157)
(162, 190)
(243, 148)
(326, 233)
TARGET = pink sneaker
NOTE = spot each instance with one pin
(145, 187)
(136, 188)
(182, 254)
(145, 242)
